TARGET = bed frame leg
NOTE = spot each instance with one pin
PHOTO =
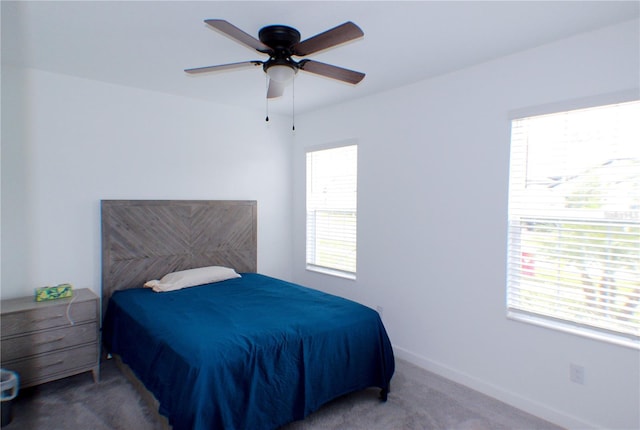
(384, 394)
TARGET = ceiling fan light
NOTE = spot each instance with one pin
(280, 73)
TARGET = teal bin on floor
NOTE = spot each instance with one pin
(8, 391)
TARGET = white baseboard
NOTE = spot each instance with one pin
(530, 406)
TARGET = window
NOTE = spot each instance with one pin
(574, 222)
(331, 210)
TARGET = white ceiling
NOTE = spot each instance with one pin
(147, 44)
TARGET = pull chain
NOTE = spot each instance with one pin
(293, 105)
(266, 99)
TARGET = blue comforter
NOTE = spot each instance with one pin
(247, 353)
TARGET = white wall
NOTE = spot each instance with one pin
(432, 214)
(433, 168)
(67, 143)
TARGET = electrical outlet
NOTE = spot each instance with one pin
(576, 373)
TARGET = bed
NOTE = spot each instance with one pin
(249, 352)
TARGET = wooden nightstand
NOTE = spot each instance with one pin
(45, 341)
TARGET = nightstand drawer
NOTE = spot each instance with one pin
(44, 317)
(41, 367)
(46, 341)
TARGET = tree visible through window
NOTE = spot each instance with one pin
(574, 221)
(332, 210)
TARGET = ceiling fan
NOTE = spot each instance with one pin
(280, 43)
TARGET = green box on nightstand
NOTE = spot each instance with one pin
(51, 293)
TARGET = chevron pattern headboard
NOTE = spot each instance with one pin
(146, 239)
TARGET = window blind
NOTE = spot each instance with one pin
(574, 221)
(332, 209)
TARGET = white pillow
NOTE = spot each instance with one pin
(190, 278)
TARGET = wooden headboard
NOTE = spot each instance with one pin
(146, 239)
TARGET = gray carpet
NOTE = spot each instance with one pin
(418, 400)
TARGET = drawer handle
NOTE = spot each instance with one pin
(55, 363)
(37, 320)
(58, 339)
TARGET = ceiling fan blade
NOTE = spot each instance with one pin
(328, 39)
(276, 89)
(330, 71)
(238, 35)
(221, 67)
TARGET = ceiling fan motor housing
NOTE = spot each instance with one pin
(281, 39)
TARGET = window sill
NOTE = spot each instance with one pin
(567, 327)
(332, 272)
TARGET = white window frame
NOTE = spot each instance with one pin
(516, 312)
(311, 261)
